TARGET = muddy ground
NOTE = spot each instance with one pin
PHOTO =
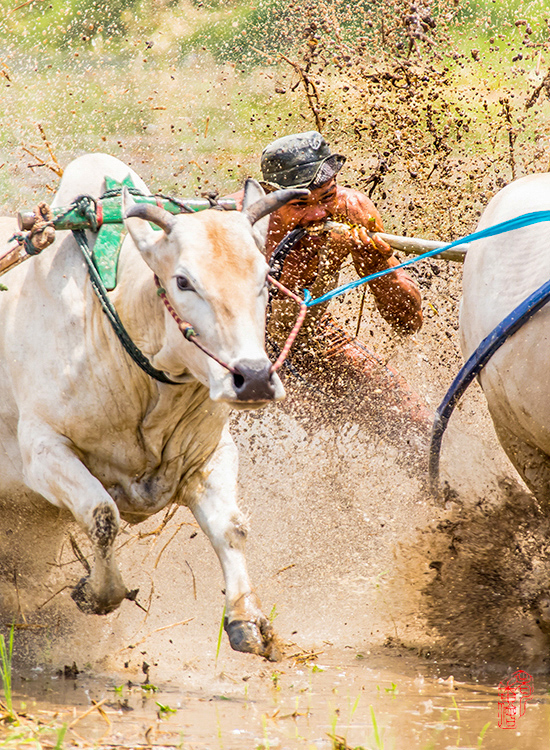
(418, 604)
(358, 564)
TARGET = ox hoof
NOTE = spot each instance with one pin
(89, 602)
(252, 638)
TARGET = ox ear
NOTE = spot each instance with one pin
(136, 220)
(254, 192)
(257, 211)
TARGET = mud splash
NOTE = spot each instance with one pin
(490, 581)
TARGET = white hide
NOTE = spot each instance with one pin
(84, 427)
(499, 273)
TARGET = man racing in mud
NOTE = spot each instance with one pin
(325, 357)
(305, 160)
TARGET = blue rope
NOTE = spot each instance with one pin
(506, 226)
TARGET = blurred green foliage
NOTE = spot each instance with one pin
(247, 32)
(490, 16)
(253, 33)
(62, 23)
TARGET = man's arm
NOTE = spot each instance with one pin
(397, 295)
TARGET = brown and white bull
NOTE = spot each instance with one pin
(84, 427)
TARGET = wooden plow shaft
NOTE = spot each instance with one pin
(416, 246)
(13, 258)
(111, 213)
(407, 245)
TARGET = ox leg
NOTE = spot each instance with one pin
(53, 469)
(221, 520)
(530, 462)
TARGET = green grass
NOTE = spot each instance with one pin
(482, 734)
(6, 654)
(378, 739)
(220, 636)
(187, 124)
(60, 737)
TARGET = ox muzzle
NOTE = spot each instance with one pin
(253, 380)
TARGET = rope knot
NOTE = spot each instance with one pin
(212, 197)
(42, 233)
(86, 206)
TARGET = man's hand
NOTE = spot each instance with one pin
(369, 253)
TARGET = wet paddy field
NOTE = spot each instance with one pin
(380, 651)
(400, 612)
(335, 699)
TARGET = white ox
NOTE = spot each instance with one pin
(499, 273)
(88, 430)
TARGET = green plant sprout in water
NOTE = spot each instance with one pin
(60, 737)
(220, 635)
(377, 734)
(164, 710)
(482, 734)
(340, 742)
(457, 718)
(6, 653)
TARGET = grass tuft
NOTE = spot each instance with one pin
(6, 653)
(220, 635)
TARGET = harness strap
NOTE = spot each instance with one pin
(187, 330)
(108, 308)
(475, 364)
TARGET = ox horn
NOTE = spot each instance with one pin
(155, 214)
(272, 202)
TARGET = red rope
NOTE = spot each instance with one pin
(191, 335)
(299, 320)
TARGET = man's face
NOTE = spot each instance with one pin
(318, 205)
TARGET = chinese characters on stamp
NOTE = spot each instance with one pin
(513, 695)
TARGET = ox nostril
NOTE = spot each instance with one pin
(252, 380)
(238, 381)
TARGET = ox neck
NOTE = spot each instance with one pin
(140, 311)
(125, 340)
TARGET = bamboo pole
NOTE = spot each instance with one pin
(408, 245)
(12, 258)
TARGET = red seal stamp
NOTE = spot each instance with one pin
(513, 695)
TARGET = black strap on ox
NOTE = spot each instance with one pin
(108, 308)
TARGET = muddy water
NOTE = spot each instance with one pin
(348, 553)
(358, 699)
(340, 550)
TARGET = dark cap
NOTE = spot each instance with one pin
(299, 161)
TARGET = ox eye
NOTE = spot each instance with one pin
(184, 285)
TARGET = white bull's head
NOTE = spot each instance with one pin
(214, 274)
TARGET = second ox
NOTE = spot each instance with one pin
(501, 272)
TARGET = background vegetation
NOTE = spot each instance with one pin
(436, 104)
